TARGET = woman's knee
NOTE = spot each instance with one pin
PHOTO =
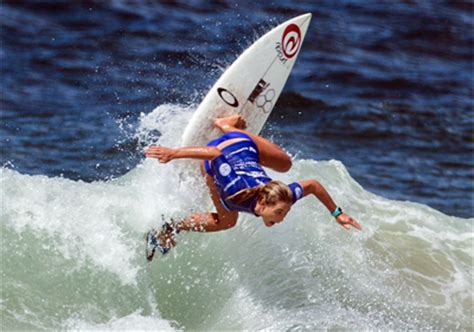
(274, 157)
(280, 162)
(286, 163)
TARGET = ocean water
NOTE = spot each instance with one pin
(378, 109)
(73, 256)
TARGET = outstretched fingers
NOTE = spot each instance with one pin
(347, 222)
(161, 153)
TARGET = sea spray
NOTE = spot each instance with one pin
(73, 256)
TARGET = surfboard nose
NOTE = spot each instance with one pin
(307, 15)
(304, 17)
(302, 21)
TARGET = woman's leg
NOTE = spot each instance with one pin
(209, 221)
(271, 155)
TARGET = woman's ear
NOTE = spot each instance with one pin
(259, 206)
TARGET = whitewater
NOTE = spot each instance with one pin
(72, 254)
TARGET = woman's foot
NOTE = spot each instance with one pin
(230, 122)
(163, 240)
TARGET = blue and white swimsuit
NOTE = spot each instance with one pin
(237, 168)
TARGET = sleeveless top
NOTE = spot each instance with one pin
(238, 168)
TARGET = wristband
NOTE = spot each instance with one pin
(336, 212)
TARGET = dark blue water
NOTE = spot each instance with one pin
(385, 87)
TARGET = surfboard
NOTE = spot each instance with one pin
(251, 86)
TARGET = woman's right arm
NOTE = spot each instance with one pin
(314, 187)
(164, 154)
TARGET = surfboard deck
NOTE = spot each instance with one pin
(251, 86)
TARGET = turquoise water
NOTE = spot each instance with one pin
(73, 255)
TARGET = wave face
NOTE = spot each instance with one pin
(73, 255)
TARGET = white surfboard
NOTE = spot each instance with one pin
(252, 84)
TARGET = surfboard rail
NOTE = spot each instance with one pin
(251, 86)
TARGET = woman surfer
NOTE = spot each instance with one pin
(232, 166)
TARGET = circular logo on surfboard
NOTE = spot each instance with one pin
(291, 40)
(224, 169)
(228, 97)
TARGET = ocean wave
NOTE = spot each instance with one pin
(73, 255)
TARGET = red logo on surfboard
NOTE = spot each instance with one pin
(291, 40)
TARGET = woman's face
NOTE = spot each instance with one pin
(272, 214)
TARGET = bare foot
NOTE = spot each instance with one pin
(233, 121)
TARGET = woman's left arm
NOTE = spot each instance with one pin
(316, 188)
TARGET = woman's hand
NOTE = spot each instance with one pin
(161, 153)
(346, 221)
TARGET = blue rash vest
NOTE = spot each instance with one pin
(238, 168)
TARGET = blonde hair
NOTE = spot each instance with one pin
(271, 193)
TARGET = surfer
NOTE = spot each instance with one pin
(232, 167)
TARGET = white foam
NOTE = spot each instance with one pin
(304, 273)
(133, 322)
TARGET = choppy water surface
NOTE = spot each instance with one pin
(386, 88)
(378, 107)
